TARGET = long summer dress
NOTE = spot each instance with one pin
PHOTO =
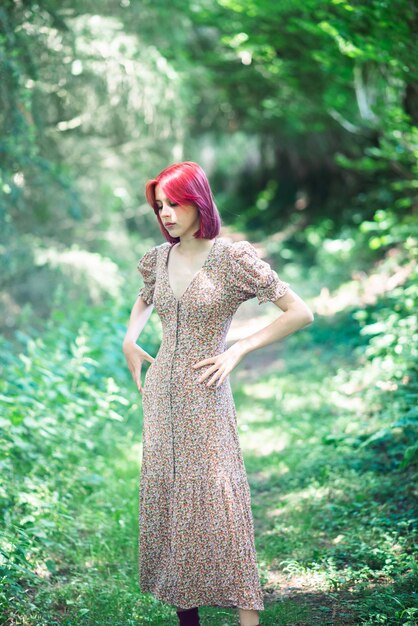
(196, 534)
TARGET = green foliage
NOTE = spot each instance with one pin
(324, 93)
(332, 468)
(304, 115)
(88, 112)
(64, 401)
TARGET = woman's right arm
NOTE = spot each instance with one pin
(134, 354)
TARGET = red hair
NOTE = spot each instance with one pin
(186, 183)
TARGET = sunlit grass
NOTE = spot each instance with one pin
(333, 506)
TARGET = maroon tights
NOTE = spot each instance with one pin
(188, 617)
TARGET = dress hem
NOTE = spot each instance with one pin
(225, 605)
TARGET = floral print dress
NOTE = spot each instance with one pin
(196, 533)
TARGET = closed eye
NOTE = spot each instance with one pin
(172, 204)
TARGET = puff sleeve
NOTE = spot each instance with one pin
(252, 277)
(146, 266)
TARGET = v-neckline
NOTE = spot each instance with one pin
(169, 248)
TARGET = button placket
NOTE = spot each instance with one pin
(172, 388)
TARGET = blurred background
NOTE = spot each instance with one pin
(304, 116)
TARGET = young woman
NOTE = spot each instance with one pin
(196, 534)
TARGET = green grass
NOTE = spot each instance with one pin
(334, 519)
(333, 498)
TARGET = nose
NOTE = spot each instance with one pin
(166, 210)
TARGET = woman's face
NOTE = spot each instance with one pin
(180, 220)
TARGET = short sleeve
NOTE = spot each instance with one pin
(146, 266)
(252, 277)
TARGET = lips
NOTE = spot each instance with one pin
(168, 224)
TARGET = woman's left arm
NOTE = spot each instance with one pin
(296, 315)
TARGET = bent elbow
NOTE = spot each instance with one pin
(309, 318)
